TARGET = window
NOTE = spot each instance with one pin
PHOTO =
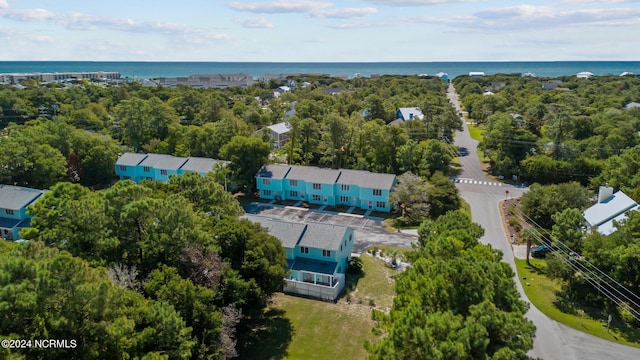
(293, 194)
(345, 187)
(293, 182)
(266, 181)
(146, 169)
(326, 252)
(350, 237)
(315, 197)
(344, 199)
(316, 186)
(163, 172)
(381, 204)
(377, 192)
(8, 211)
(266, 192)
(123, 168)
(304, 249)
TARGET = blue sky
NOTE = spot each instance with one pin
(319, 30)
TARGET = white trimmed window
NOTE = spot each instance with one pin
(304, 249)
(316, 186)
(163, 172)
(344, 199)
(316, 197)
(266, 192)
(146, 169)
(123, 168)
(344, 187)
(293, 194)
(8, 211)
(293, 182)
(266, 181)
(377, 192)
(326, 253)
(381, 204)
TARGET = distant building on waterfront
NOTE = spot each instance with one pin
(208, 81)
(15, 78)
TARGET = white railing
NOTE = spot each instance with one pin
(323, 292)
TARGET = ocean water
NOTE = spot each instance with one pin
(257, 69)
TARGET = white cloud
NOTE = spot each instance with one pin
(81, 22)
(413, 2)
(255, 23)
(280, 7)
(346, 13)
(525, 17)
(4, 4)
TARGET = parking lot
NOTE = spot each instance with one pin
(367, 231)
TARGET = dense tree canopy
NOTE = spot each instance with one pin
(457, 300)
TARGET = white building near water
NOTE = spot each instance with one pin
(609, 209)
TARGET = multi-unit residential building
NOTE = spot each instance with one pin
(358, 188)
(15, 78)
(208, 81)
(14, 201)
(317, 255)
(158, 167)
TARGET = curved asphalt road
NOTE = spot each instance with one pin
(553, 340)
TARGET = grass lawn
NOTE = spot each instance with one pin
(541, 291)
(299, 328)
(475, 132)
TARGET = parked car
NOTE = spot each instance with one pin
(541, 251)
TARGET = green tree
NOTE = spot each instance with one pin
(247, 155)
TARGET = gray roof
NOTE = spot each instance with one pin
(323, 236)
(16, 197)
(366, 179)
(608, 227)
(407, 112)
(290, 234)
(287, 232)
(164, 162)
(604, 211)
(201, 165)
(130, 159)
(280, 128)
(273, 171)
(313, 174)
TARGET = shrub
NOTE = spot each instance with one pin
(354, 266)
(515, 223)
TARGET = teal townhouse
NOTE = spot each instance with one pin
(358, 188)
(158, 167)
(317, 255)
(14, 201)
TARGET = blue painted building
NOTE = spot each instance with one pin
(317, 255)
(14, 201)
(158, 167)
(362, 189)
(409, 113)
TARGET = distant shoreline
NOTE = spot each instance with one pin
(156, 69)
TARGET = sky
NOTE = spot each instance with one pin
(319, 30)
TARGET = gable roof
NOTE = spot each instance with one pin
(280, 128)
(273, 171)
(609, 209)
(323, 236)
(288, 233)
(17, 197)
(130, 159)
(609, 227)
(409, 113)
(632, 105)
(366, 179)
(313, 174)
(164, 162)
(201, 165)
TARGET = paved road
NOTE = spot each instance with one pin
(553, 340)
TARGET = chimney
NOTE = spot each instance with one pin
(604, 193)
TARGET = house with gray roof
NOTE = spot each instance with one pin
(356, 188)
(317, 255)
(14, 201)
(610, 209)
(158, 167)
(409, 113)
(278, 133)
